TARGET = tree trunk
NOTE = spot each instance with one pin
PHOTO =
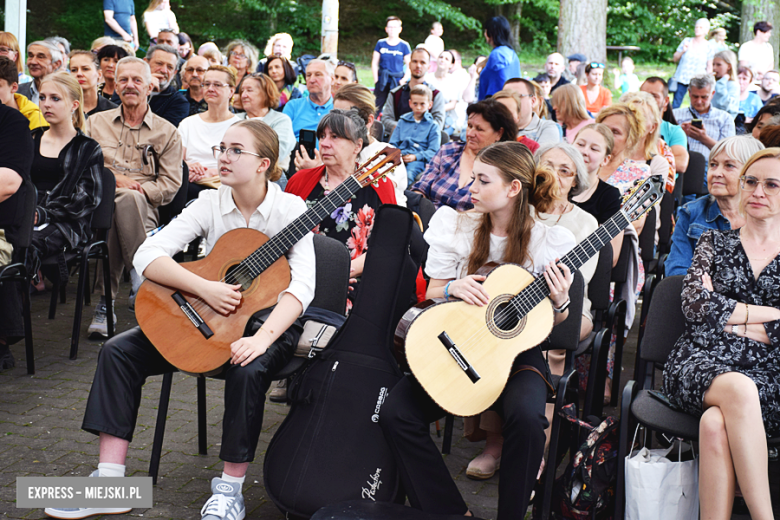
(582, 27)
(757, 11)
(512, 12)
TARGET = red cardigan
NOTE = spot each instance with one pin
(304, 181)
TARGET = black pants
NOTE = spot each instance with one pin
(126, 360)
(405, 420)
(381, 97)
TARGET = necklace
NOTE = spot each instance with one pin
(327, 188)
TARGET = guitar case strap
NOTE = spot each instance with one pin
(521, 368)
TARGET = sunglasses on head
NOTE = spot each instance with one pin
(347, 64)
(596, 65)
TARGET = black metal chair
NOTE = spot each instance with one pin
(693, 180)
(96, 248)
(333, 264)
(16, 272)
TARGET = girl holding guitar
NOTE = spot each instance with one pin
(247, 165)
(499, 229)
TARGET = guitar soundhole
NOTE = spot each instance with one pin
(505, 318)
(502, 319)
(238, 274)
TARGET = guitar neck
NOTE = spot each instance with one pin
(281, 242)
(538, 290)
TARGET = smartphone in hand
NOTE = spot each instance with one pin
(697, 123)
(308, 139)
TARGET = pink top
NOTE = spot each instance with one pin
(571, 133)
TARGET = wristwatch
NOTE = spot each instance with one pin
(563, 307)
(735, 329)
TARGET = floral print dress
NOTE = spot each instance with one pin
(705, 350)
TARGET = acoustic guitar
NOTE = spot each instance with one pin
(195, 338)
(462, 354)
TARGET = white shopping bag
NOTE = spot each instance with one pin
(659, 489)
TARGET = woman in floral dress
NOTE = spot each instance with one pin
(726, 366)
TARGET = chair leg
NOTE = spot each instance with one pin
(159, 429)
(446, 444)
(626, 429)
(63, 288)
(78, 311)
(53, 301)
(620, 340)
(28, 340)
(202, 444)
(107, 292)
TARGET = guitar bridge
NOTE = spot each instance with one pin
(458, 357)
(192, 315)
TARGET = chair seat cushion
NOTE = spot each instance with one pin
(661, 417)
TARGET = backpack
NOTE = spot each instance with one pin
(587, 487)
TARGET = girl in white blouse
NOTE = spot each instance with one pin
(248, 197)
(500, 228)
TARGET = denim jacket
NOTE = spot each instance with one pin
(422, 139)
(693, 219)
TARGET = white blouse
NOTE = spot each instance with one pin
(214, 213)
(450, 236)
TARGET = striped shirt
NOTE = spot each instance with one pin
(718, 124)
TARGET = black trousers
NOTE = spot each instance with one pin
(381, 97)
(126, 360)
(406, 417)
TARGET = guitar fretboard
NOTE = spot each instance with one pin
(538, 290)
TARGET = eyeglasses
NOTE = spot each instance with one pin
(237, 55)
(193, 69)
(6, 50)
(233, 154)
(750, 183)
(596, 65)
(216, 84)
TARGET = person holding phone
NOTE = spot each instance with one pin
(704, 124)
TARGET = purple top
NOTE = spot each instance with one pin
(439, 181)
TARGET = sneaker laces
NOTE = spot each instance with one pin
(217, 505)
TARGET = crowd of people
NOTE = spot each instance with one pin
(519, 169)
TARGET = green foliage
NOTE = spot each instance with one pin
(441, 10)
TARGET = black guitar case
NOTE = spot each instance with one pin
(330, 447)
(367, 510)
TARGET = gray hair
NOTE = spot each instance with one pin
(62, 41)
(346, 124)
(702, 81)
(739, 148)
(127, 60)
(582, 182)
(54, 51)
(330, 68)
(162, 48)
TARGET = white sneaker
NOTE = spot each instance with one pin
(84, 512)
(226, 503)
(99, 326)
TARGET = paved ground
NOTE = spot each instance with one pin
(40, 435)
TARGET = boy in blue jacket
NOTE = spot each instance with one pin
(417, 135)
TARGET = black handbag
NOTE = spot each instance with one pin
(330, 447)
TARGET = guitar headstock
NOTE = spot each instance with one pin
(641, 199)
(378, 166)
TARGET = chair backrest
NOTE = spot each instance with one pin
(173, 208)
(647, 236)
(620, 271)
(566, 335)
(665, 320)
(665, 209)
(598, 288)
(332, 260)
(679, 183)
(693, 180)
(103, 215)
(23, 236)
(445, 137)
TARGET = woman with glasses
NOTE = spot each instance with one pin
(260, 98)
(345, 74)
(199, 133)
(85, 68)
(9, 47)
(725, 366)
(720, 209)
(108, 56)
(281, 71)
(242, 56)
(596, 96)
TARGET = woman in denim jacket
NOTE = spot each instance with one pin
(718, 210)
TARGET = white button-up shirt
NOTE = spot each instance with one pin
(214, 213)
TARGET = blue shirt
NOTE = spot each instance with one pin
(123, 10)
(693, 219)
(502, 64)
(422, 139)
(304, 113)
(673, 134)
(391, 57)
(726, 96)
(751, 105)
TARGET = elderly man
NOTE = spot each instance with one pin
(42, 58)
(144, 152)
(397, 103)
(194, 70)
(574, 61)
(170, 38)
(672, 134)
(704, 124)
(306, 112)
(554, 68)
(543, 131)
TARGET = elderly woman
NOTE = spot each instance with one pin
(446, 180)
(693, 58)
(201, 132)
(242, 56)
(260, 98)
(342, 136)
(281, 71)
(596, 96)
(569, 106)
(725, 366)
(361, 99)
(720, 209)
(652, 149)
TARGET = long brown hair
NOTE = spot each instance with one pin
(514, 161)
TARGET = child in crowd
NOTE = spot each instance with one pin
(391, 54)
(417, 135)
(727, 95)
(435, 44)
(625, 79)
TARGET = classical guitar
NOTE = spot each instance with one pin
(462, 354)
(195, 338)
